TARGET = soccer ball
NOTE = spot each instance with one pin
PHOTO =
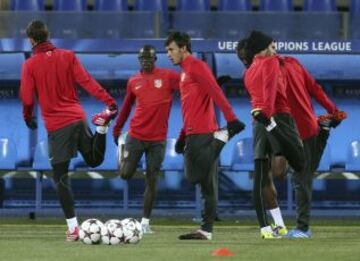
(132, 230)
(90, 231)
(113, 232)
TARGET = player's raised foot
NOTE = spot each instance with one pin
(146, 229)
(73, 236)
(104, 118)
(197, 235)
(222, 135)
(297, 233)
(279, 230)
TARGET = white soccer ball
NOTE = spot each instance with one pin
(132, 230)
(113, 232)
(90, 231)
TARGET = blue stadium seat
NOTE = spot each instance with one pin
(193, 5)
(70, 24)
(172, 161)
(331, 67)
(354, 21)
(151, 5)
(10, 66)
(228, 64)
(241, 107)
(243, 156)
(110, 25)
(16, 130)
(234, 5)
(276, 5)
(354, 6)
(237, 25)
(325, 162)
(232, 25)
(7, 154)
(111, 5)
(158, 6)
(320, 6)
(201, 25)
(27, 5)
(119, 67)
(353, 159)
(66, 5)
(41, 157)
(110, 67)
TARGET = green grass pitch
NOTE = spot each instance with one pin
(45, 240)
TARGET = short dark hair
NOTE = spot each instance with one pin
(243, 52)
(148, 51)
(181, 39)
(38, 31)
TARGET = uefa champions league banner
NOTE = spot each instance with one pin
(198, 45)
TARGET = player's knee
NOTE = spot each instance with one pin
(126, 174)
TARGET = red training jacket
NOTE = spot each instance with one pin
(300, 88)
(153, 95)
(266, 85)
(51, 74)
(199, 91)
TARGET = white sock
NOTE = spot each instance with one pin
(266, 229)
(222, 135)
(102, 129)
(72, 223)
(145, 221)
(277, 217)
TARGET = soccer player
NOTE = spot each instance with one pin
(152, 89)
(265, 83)
(51, 75)
(301, 87)
(200, 140)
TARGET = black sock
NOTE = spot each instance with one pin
(64, 191)
(261, 175)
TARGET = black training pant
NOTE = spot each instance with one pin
(201, 160)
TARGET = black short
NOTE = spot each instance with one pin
(264, 144)
(66, 142)
(135, 148)
(200, 157)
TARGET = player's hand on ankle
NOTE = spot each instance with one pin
(180, 146)
(337, 118)
(235, 126)
(31, 124)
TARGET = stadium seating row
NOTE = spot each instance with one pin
(182, 5)
(207, 25)
(328, 68)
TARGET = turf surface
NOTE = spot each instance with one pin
(45, 240)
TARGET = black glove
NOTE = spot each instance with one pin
(31, 124)
(116, 140)
(234, 127)
(260, 117)
(223, 79)
(113, 108)
(180, 146)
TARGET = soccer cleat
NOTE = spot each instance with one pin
(146, 229)
(103, 118)
(297, 233)
(279, 230)
(269, 235)
(197, 235)
(74, 236)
